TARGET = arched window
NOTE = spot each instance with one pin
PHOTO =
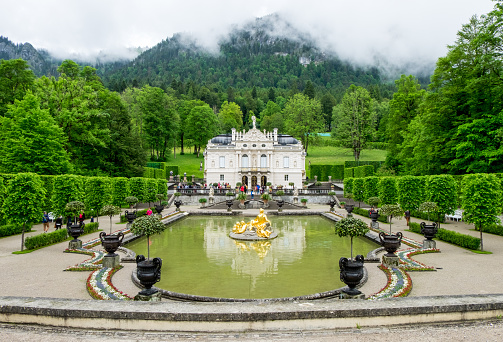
(244, 161)
(263, 160)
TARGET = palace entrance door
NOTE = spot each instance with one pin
(254, 182)
(263, 182)
(244, 180)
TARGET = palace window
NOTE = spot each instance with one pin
(222, 178)
(244, 161)
(263, 160)
(286, 178)
(286, 162)
(222, 161)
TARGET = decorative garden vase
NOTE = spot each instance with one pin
(429, 230)
(349, 208)
(351, 273)
(130, 216)
(332, 205)
(374, 216)
(111, 242)
(148, 273)
(75, 230)
(229, 203)
(391, 242)
(159, 208)
(280, 203)
(178, 203)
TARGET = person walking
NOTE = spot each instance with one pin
(149, 212)
(45, 221)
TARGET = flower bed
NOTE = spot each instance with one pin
(399, 284)
(413, 265)
(99, 285)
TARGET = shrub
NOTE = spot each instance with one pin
(241, 196)
(303, 200)
(353, 163)
(323, 171)
(203, 200)
(42, 240)
(495, 229)
(119, 190)
(266, 197)
(280, 193)
(91, 227)
(13, 229)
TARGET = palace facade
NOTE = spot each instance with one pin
(254, 157)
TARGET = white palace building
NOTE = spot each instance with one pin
(254, 157)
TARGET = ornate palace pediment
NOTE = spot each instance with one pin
(254, 135)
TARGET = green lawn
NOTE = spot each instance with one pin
(317, 155)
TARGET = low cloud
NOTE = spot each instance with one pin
(360, 31)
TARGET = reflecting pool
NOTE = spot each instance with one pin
(199, 258)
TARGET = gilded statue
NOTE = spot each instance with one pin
(260, 224)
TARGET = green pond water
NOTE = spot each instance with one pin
(199, 257)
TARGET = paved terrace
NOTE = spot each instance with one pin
(459, 272)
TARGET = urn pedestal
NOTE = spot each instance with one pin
(178, 203)
(374, 216)
(391, 243)
(111, 243)
(229, 203)
(75, 230)
(280, 205)
(349, 208)
(429, 231)
(331, 203)
(130, 217)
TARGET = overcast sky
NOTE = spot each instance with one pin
(356, 30)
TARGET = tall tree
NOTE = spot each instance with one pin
(31, 141)
(327, 107)
(230, 116)
(402, 109)
(16, 79)
(203, 125)
(184, 108)
(354, 120)
(271, 117)
(303, 118)
(161, 121)
(309, 90)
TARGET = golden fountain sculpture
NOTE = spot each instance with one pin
(257, 229)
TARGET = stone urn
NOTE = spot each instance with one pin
(429, 230)
(75, 230)
(280, 204)
(374, 216)
(229, 203)
(349, 208)
(351, 273)
(148, 273)
(331, 204)
(391, 242)
(111, 242)
(159, 208)
(178, 203)
(130, 216)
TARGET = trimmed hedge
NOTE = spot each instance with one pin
(42, 240)
(13, 229)
(169, 168)
(364, 171)
(375, 164)
(365, 212)
(450, 236)
(349, 172)
(57, 236)
(148, 172)
(495, 229)
(323, 171)
(156, 165)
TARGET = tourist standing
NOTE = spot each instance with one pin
(252, 194)
(45, 221)
(149, 212)
(407, 216)
(59, 222)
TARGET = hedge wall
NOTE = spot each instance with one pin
(351, 163)
(169, 168)
(156, 165)
(349, 172)
(364, 171)
(13, 229)
(323, 171)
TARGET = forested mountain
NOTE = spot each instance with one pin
(260, 54)
(39, 60)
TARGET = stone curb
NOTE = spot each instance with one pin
(182, 316)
